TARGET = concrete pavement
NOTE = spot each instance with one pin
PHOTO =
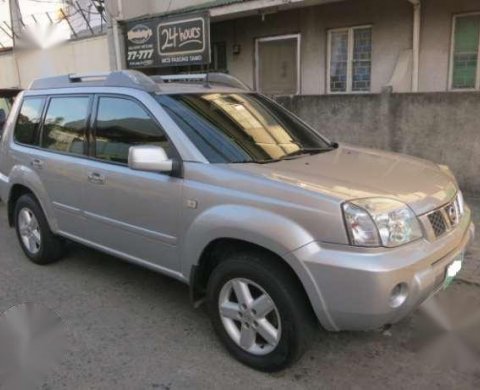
(130, 328)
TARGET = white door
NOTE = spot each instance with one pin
(278, 65)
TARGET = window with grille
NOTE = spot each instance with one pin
(349, 59)
(465, 69)
(219, 57)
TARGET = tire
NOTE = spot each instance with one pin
(42, 246)
(291, 319)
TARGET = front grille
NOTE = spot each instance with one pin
(445, 218)
(438, 223)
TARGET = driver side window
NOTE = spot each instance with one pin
(122, 123)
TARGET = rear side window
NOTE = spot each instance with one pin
(65, 124)
(122, 123)
(28, 121)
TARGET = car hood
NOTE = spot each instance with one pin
(351, 172)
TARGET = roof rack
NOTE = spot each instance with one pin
(206, 78)
(123, 78)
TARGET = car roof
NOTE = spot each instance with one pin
(181, 88)
(171, 84)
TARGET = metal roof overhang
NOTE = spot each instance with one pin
(231, 9)
(256, 7)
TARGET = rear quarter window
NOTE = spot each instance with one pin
(28, 121)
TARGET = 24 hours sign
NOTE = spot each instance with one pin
(169, 41)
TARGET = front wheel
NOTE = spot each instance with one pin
(259, 311)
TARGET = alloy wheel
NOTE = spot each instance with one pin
(29, 230)
(249, 316)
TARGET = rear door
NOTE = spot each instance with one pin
(132, 213)
(56, 151)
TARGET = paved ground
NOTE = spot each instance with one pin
(132, 329)
(471, 269)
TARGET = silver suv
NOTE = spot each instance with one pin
(196, 177)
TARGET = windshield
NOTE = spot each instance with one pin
(241, 127)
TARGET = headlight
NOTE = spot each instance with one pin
(378, 222)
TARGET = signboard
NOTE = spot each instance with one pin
(140, 45)
(182, 40)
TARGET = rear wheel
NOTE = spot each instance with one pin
(36, 239)
(259, 311)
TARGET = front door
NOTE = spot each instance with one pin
(132, 213)
(278, 65)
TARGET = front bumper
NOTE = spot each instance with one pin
(350, 288)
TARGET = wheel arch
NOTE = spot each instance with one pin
(16, 192)
(232, 225)
(249, 224)
(217, 251)
(19, 189)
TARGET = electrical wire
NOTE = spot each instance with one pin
(74, 18)
(46, 1)
(52, 13)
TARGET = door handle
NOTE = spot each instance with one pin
(36, 163)
(96, 178)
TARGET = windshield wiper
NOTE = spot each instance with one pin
(253, 161)
(310, 151)
(297, 153)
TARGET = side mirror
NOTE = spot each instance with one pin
(149, 158)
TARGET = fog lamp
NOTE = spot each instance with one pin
(398, 295)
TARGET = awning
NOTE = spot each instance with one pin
(230, 9)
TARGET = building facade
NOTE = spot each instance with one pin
(309, 47)
(350, 46)
(300, 47)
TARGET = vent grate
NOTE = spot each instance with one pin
(445, 218)
(438, 223)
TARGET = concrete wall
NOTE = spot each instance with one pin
(86, 55)
(8, 71)
(436, 40)
(441, 127)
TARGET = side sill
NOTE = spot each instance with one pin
(131, 259)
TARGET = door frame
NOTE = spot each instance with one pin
(298, 37)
